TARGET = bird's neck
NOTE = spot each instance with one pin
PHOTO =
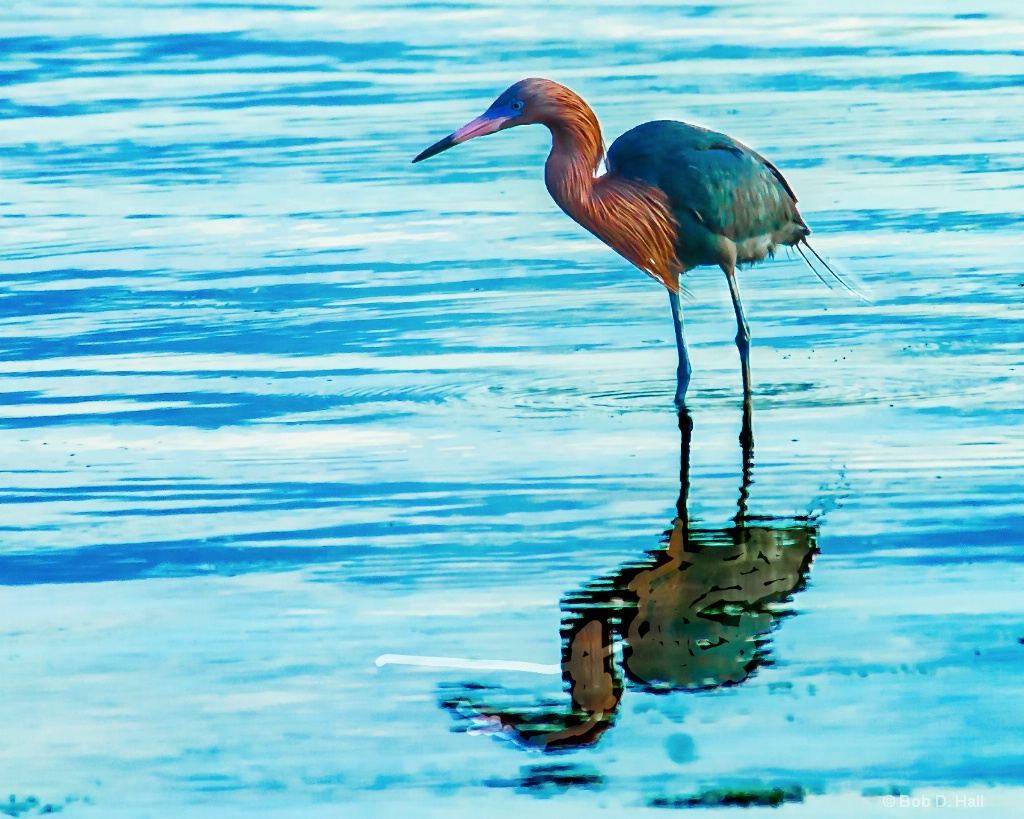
(630, 216)
(569, 172)
(576, 152)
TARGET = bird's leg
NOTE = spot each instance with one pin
(683, 371)
(743, 345)
(742, 332)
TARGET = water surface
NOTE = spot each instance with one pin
(317, 465)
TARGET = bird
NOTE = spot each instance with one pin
(673, 197)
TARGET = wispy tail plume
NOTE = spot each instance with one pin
(836, 278)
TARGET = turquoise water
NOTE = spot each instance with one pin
(318, 467)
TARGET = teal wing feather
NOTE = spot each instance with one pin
(714, 184)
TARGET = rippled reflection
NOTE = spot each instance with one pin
(694, 614)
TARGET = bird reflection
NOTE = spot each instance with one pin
(694, 614)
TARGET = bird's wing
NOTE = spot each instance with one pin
(728, 188)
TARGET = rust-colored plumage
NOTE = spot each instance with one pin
(632, 217)
(675, 197)
(635, 219)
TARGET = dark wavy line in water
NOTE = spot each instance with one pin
(428, 494)
(209, 410)
(366, 561)
(484, 503)
(58, 53)
(357, 544)
(57, 162)
(182, 162)
(296, 7)
(170, 307)
(225, 101)
(316, 95)
(251, 334)
(923, 81)
(978, 162)
(924, 221)
(99, 564)
(366, 402)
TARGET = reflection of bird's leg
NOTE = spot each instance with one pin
(742, 331)
(747, 441)
(747, 433)
(747, 430)
(683, 371)
(686, 434)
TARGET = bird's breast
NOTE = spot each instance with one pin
(634, 218)
(630, 216)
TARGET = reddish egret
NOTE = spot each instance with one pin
(675, 196)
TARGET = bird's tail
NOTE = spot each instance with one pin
(835, 277)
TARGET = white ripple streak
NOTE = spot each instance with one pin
(458, 662)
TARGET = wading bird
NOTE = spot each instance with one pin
(675, 196)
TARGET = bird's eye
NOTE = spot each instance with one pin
(517, 105)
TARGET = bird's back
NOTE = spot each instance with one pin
(716, 187)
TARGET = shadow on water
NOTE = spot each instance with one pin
(692, 615)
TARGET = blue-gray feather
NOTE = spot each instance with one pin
(716, 187)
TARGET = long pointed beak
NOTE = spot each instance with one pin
(485, 124)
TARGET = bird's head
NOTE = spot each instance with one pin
(525, 102)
